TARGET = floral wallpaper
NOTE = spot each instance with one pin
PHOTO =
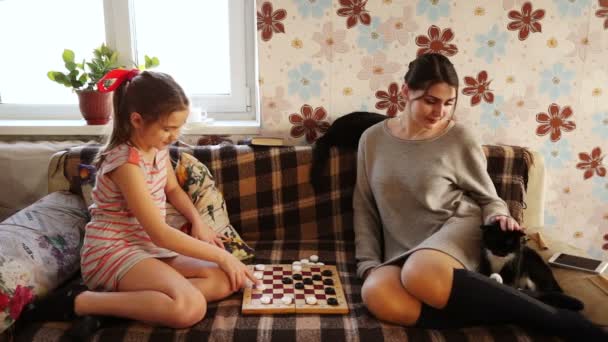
(533, 73)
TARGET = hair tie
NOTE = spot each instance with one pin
(117, 76)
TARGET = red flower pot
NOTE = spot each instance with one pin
(96, 107)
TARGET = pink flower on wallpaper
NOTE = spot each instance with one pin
(393, 100)
(269, 21)
(592, 163)
(331, 41)
(603, 12)
(554, 122)
(437, 42)
(584, 41)
(399, 28)
(274, 107)
(355, 11)
(526, 21)
(309, 122)
(478, 88)
(377, 70)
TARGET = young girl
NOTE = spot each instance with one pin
(145, 269)
(422, 192)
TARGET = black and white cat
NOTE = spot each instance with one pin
(345, 131)
(519, 266)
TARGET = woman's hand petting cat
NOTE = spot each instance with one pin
(507, 223)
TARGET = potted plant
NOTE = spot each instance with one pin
(96, 107)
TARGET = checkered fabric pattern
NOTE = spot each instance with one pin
(274, 208)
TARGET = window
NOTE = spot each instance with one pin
(207, 46)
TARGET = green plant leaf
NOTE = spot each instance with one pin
(71, 66)
(68, 55)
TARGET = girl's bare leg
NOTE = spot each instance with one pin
(151, 291)
(206, 276)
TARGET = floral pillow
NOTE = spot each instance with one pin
(86, 174)
(196, 180)
(39, 250)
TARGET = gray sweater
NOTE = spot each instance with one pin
(407, 189)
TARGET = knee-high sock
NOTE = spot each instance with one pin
(478, 300)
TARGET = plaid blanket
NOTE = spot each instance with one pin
(277, 212)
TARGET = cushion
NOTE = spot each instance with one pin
(87, 174)
(196, 180)
(39, 250)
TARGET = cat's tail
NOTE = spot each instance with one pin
(557, 299)
(320, 155)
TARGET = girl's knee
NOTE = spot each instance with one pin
(188, 310)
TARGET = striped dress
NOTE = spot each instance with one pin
(114, 240)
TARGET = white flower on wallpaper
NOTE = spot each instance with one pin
(399, 28)
(556, 81)
(312, 8)
(378, 70)
(600, 124)
(370, 38)
(275, 107)
(491, 44)
(433, 9)
(493, 114)
(523, 106)
(305, 81)
(557, 154)
(584, 42)
(573, 8)
(330, 41)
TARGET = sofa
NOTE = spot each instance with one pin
(276, 211)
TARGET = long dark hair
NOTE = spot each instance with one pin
(153, 95)
(428, 70)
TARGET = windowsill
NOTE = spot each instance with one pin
(79, 127)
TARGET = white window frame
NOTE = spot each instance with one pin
(241, 105)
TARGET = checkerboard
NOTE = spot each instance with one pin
(275, 288)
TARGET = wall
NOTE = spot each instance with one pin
(531, 74)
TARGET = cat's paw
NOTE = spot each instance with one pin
(496, 277)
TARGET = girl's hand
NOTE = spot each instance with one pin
(237, 272)
(507, 223)
(205, 233)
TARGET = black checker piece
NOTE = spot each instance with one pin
(330, 291)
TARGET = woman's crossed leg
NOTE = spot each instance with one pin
(395, 294)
